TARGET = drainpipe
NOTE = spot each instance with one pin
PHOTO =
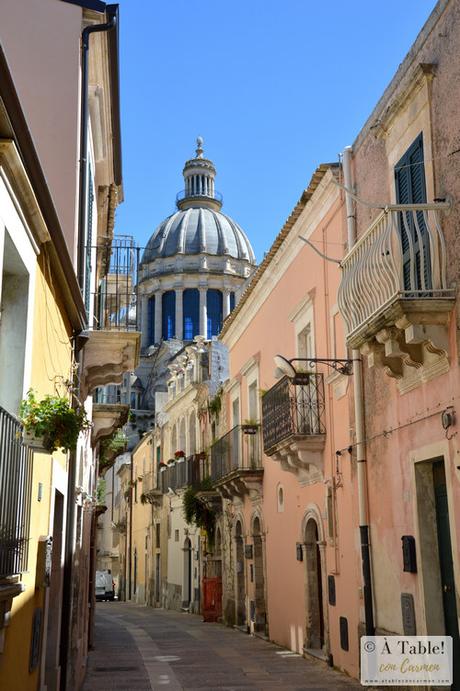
(360, 431)
(83, 163)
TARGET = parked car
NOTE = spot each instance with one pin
(105, 586)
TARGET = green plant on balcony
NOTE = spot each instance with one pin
(100, 491)
(53, 421)
(215, 405)
(196, 512)
(110, 448)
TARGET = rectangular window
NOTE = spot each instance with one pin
(252, 401)
(157, 535)
(415, 244)
(89, 240)
(304, 345)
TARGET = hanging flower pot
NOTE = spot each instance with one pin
(29, 439)
(52, 423)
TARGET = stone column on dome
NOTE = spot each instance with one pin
(179, 314)
(203, 313)
(226, 301)
(145, 321)
(158, 316)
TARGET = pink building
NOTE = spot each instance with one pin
(398, 297)
(292, 510)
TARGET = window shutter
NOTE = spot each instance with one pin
(411, 189)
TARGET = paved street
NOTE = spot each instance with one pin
(140, 649)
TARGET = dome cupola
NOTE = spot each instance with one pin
(199, 174)
(194, 264)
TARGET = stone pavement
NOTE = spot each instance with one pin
(144, 649)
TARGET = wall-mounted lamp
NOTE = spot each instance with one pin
(284, 367)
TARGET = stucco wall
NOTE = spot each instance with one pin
(45, 73)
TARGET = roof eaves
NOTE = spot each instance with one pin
(95, 5)
(315, 180)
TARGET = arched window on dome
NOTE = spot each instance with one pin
(169, 314)
(232, 301)
(191, 307)
(151, 321)
(215, 305)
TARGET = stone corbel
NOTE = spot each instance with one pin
(395, 347)
(375, 354)
(433, 337)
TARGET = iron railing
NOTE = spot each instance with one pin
(239, 449)
(401, 255)
(109, 395)
(114, 300)
(188, 472)
(16, 462)
(292, 410)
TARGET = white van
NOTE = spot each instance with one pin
(105, 587)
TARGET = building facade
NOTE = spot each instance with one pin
(60, 184)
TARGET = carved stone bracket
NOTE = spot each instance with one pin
(241, 482)
(299, 453)
(106, 419)
(416, 340)
(107, 356)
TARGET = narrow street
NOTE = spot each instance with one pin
(139, 649)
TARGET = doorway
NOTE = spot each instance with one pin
(259, 580)
(187, 587)
(314, 597)
(240, 589)
(436, 556)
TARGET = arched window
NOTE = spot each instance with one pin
(191, 307)
(169, 314)
(215, 309)
(151, 320)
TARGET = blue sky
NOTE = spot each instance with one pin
(274, 88)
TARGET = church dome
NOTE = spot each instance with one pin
(199, 230)
(199, 226)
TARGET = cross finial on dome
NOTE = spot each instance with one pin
(199, 147)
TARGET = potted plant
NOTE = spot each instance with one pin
(51, 423)
(250, 426)
(179, 456)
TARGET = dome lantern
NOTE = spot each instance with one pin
(199, 174)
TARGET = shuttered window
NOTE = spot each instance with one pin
(411, 189)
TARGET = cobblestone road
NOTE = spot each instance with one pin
(144, 649)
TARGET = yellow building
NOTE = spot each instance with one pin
(59, 187)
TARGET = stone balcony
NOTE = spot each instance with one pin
(236, 463)
(394, 295)
(293, 428)
(112, 342)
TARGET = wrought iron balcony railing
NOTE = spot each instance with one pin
(113, 301)
(402, 256)
(183, 473)
(15, 496)
(291, 411)
(239, 449)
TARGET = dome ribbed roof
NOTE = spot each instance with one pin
(199, 227)
(199, 230)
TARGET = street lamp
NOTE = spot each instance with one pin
(284, 367)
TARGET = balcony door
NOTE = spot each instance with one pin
(415, 244)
